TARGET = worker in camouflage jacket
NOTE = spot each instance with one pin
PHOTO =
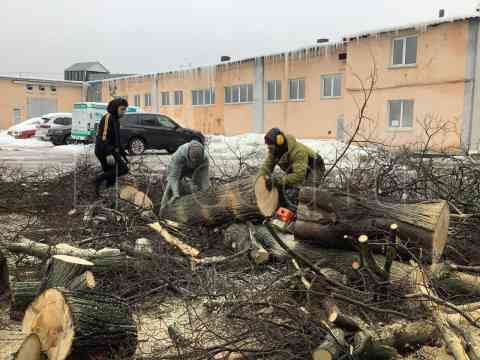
(188, 172)
(302, 165)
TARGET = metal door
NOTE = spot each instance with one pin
(40, 106)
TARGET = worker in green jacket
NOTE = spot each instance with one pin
(302, 165)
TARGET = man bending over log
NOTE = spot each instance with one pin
(187, 172)
(302, 165)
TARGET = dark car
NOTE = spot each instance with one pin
(143, 131)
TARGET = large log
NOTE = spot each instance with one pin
(242, 200)
(80, 323)
(22, 294)
(333, 218)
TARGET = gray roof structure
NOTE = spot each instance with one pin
(93, 66)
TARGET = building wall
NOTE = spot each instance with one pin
(438, 84)
(15, 96)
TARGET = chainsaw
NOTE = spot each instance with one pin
(283, 220)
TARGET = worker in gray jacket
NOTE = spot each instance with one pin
(189, 161)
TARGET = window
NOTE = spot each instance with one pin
(166, 122)
(136, 100)
(203, 97)
(331, 86)
(150, 120)
(239, 94)
(296, 89)
(165, 98)
(178, 97)
(53, 89)
(148, 99)
(274, 90)
(41, 88)
(29, 87)
(404, 51)
(400, 113)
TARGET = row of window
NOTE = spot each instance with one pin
(41, 88)
(238, 94)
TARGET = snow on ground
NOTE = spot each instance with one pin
(9, 141)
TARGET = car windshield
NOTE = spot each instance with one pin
(45, 120)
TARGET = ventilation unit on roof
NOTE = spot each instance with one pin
(441, 13)
(225, 58)
(322, 40)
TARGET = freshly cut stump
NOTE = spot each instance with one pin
(31, 349)
(63, 269)
(267, 201)
(80, 322)
(22, 295)
(136, 197)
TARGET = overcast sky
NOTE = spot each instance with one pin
(42, 37)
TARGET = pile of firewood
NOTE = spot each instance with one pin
(338, 240)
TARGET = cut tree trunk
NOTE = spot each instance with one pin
(242, 200)
(173, 240)
(81, 323)
(4, 276)
(31, 349)
(22, 295)
(62, 270)
(333, 218)
(333, 347)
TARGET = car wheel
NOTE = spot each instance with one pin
(67, 140)
(136, 146)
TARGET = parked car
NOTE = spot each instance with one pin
(53, 122)
(25, 129)
(142, 131)
(61, 135)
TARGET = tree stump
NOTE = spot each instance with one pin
(62, 270)
(81, 323)
(242, 200)
(333, 218)
(22, 295)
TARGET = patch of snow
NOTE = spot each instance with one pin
(10, 141)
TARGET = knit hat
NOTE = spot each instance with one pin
(195, 152)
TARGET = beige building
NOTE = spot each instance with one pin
(24, 98)
(425, 79)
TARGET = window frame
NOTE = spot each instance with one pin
(139, 103)
(404, 51)
(401, 120)
(332, 78)
(180, 102)
(147, 99)
(298, 80)
(236, 90)
(277, 85)
(165, 95)
(203, 94)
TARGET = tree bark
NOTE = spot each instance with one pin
(30, 349)
(241, 200)
(23, 293)
(242, 237)
(4, 276)
(79, 323)
(332, 347)
(62, 270)
(327, 216)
